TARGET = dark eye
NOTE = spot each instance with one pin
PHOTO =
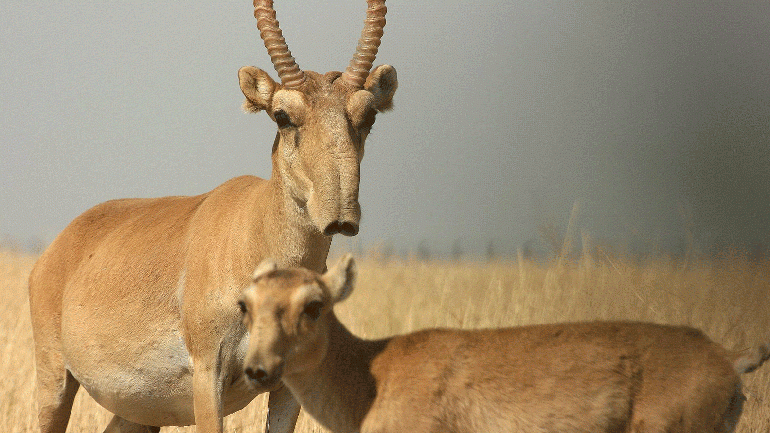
(242, 306)
(313, 310)
(282, 119)
(368, 121)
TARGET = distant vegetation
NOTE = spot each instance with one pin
(30, 246)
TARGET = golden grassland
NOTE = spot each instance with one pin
(728, 298)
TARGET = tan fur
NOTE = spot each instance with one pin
(135, 299)
(612, 377)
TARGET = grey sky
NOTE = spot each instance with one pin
(506, 113)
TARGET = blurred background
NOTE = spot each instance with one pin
(645, 122)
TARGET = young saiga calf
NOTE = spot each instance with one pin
(576, 377)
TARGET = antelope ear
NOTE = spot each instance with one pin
(341, 278)
(382, 82)
(257, 87)
(264, 268)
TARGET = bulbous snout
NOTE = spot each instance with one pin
(336, 204)
(265, 377)
(333, 200)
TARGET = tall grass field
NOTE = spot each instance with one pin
(728, 298)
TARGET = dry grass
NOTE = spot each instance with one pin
(729, 299)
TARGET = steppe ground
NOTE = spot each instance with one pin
(729, 298)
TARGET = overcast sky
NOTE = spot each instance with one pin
(507, 113)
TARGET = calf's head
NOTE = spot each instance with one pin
(287, 313)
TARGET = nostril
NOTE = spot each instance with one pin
(250, 373)
(261, 376)
(333, 228)
(349, 229)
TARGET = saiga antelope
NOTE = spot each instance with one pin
(133, 300)
(612, 377)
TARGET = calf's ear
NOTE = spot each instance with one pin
(341, 278)
(264, 268)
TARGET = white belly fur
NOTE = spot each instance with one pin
(154, 387)
(148, 383)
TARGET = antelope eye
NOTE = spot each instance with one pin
(242, 306)
(282, 119)
(313, 310)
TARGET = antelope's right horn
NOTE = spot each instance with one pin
(288, 71)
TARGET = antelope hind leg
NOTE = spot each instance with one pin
(56, 390)
(120, 425)
(282, 411)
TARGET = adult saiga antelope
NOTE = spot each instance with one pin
(133, 300)
(612, 377)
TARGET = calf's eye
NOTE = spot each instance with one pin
(313, 310)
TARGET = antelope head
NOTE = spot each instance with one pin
(287, 312)
(323, 119)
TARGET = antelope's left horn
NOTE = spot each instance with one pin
(359, 66)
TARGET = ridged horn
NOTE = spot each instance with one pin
(359, 66)
(288, 71)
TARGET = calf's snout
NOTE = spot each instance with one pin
(264, 377)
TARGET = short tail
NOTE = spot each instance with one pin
(751, 361)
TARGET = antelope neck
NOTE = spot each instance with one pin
(339, 391)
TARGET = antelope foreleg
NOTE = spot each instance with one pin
(207, 399)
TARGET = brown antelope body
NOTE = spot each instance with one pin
(580, 377)
(133, 300)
